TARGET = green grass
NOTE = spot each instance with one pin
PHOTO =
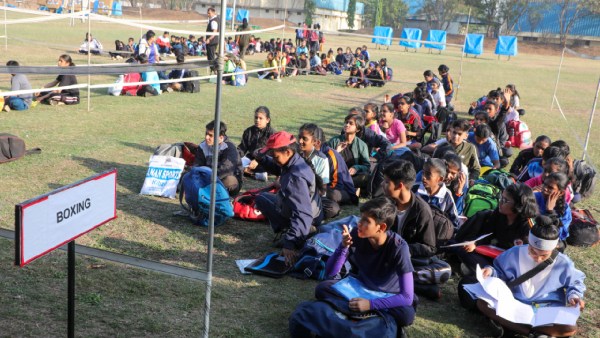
(121, 132)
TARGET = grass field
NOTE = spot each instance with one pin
(121, 132)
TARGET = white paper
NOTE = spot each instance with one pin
(496, 293)
(467, 242)
(245, 161)
(242, 263)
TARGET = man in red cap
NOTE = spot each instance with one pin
(297, 205)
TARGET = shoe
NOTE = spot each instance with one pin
(278, 80)
(498, 330)
(169, 89)
(263, 176)
(53, 103)
(401, 333)
(6, 108)
(148, 94)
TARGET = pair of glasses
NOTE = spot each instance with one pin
(505, 200)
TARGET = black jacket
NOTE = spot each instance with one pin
(418, 229)
(502, 235)
(229, 164)
(254, 139)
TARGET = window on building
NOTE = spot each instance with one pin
(266, 11)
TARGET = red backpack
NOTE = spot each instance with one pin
(518, 133)
(244, 206)
(131, 89)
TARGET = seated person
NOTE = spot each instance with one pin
(340, 188)
(374, 75)
(552, 165)
(349, 57)
(551, 201)
(558, 284)
(302, 48)
(541, 143)
(17, 82)
(229, 167)
(411, 120)
(414, 221)
(315, 60)
(394, 129)
(382, 261)
(341, 60)
(90, 44)
(359, 58)
(61, 96)
(456, 141)
(164, 43)
(487, 152)
(378, 145)
(508, 224)
(353, 150)
(270, 62)
(177, 74)
(297, 205)
(255, 138)
(303, 65)
(356, 79)
(153, 87)
(432, 189)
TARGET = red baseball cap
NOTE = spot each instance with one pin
(278, 140)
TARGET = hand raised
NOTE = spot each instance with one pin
(346, 238)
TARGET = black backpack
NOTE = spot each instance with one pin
(192, 86)
(444, 229)
(375, 185)
(584, 230)
(445, 117)
(585, 178)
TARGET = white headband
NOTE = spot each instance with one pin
(542, 244)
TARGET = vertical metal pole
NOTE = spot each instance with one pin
(5, 29)
(562, 57)
(141, 31)
(587, 137)
(462, 55)
(215, 161)
(89, 96)
(72, 11)
(71, 288)
(233, 16)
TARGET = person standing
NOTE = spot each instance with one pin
(243, 40)
(212, 40)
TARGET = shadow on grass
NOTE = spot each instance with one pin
(142, 147)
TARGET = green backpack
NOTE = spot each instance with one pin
(499, 177)
(481, 196)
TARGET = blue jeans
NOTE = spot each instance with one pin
(16, 103)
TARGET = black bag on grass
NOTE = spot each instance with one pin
(13, 148)
(191, 86)
(584, 230)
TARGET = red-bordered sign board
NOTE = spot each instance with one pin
(49, 221)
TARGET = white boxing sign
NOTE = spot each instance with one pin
(51, 220)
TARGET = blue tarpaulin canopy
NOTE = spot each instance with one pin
(436, 36)
(117, 9)
(474, 44)
(411, 34)
(506, 45)
(242, 14)
(383, 35)
(229, 14)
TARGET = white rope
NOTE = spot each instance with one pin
(108, 85)
(55, 17)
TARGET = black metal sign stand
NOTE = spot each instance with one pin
(71, 288)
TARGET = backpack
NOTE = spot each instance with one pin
(331, 317)
(196, 189)
(444, 228)
(389, 74)
(314, 36)
(191, 86)
(585, 178)
(445, 117)
(319, 70)
(481, 196)
(584, 230)
(131, 89)
(518, 133)
(244, 206)
(499, 177)
(431, 270)
(375, 185)
(435, 132)
(11, 148)
(239, 79)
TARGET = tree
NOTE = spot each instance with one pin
(393, 15)
(572, 11)
(351, 13)
(487, 12)
(379, 13)
(511, 12)
(440, 13)
(309, 11)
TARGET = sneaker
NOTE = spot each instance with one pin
(6, 108)
(148, 94)
(263, 176)
(53, 103)
(278, 80)
(169, 89)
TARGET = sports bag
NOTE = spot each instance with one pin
(584, 230)
(518, 133)
(585, 178)
(190, 86)
(196, 189)
(481, 196)
(239, 79)
(13, 148)
(332, 317)
(162, 177)
(244, 205)
(499, 177)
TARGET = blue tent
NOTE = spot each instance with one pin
(117, 8)
(228, 14)
(506, 45)
(383, 35)
(474, 44)
(436, 36)
(411, 34)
